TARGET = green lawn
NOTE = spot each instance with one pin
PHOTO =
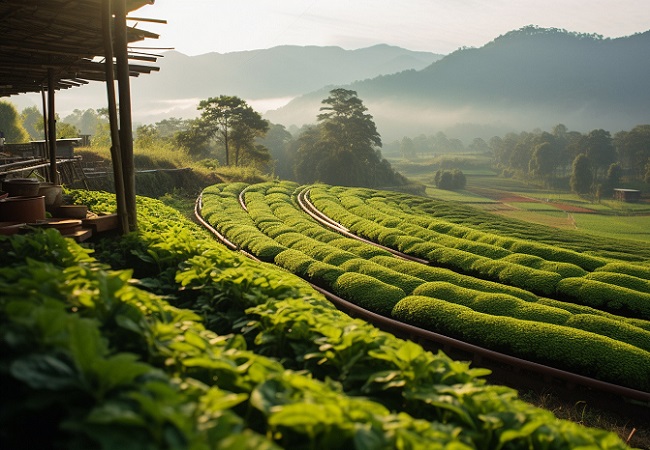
(626, 227)
(456, 196)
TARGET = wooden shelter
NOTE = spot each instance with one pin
(49, 45)
(627, 195)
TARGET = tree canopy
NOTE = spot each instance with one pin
(343, 148)
(11, 125)
(233, 123)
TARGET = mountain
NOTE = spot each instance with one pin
(528, 78)
(268, 77)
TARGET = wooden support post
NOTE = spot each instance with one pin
(116, 156)
(126, 123)
(45, 133)
(51, 127)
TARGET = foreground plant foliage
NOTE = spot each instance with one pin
(550, 304)
(236, 354)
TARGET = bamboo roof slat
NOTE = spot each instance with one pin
(64, 36)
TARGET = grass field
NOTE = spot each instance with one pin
(525, 200)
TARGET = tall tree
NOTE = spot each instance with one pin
(33, 122)
(600, 150)
(243, 137)
(543, 161)
(345, 122)
(343, 147)
(407, 148)
(581, 178)
(278, 140)
(633, 148)
(227, 117)
(11, 125)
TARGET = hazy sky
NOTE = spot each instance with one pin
(440, 26)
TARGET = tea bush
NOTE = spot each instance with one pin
(367, 292)
(622, 280)
(612, 298)
(494, 304)
(596, 356)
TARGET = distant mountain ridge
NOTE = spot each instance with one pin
(528, 78)
(280, 72)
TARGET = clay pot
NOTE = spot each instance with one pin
(72, 211)
(22, 209)
(21, 187)
(53, 194)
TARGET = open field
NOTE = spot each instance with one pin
(522, 200)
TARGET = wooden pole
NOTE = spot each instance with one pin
(126, 123)
(51, 128)
(116, 156)
(46, 148)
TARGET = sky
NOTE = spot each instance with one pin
(196, 27)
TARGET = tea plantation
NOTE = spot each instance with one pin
(571, 305)
(165, 339)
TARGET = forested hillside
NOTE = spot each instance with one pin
(532, 77)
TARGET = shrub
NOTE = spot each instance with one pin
(635, 270)
(428, 273)
(456, 259)
(367, 292)
(323, 274)
(574, 308)
(405, 282)
(294, 261)
(615, 329)
(534, 280)
(535, 262)
(615, 299)
(493, 304)
(266, 248)
(559, 254)
(361, 249)
(560, 346)
(622, 280)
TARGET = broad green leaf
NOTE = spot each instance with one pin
(45, 371)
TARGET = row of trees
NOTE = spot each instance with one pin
(591, 161)
(342, 148)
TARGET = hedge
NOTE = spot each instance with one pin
(535, 262)
(575, 308)
(622, 280)
(323, 274)
(429, 273)
(361, 249)
(534, 280)
(616, 329)
(405, 282)
(294, 261)
(635, 270)
(614, 299)
(569, 348)
(478, 248)
(368, 292)
(554, 253)
(493, 304)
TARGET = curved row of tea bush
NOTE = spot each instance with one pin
(477, 219)
(94, 362)
(380, 283)
(377, 207)
(534, 267)
(607, 359)
(280, 316)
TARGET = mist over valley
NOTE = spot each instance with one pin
(525, 79)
